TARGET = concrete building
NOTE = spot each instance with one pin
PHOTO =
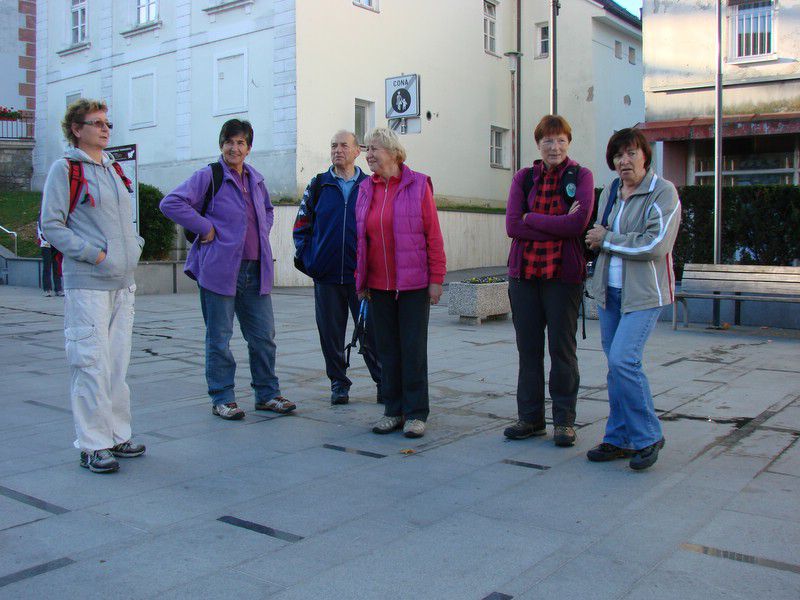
(173, 72)
(761, 90)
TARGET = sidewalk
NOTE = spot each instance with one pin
(314, 506)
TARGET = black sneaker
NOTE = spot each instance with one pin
(521, 430)
(128, 450)
(606, 452)
(564, 436)
(646, 457)
(340, 397)
(99, 461)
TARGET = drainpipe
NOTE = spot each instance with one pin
(519, 86)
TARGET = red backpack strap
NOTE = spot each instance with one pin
(128, 183)
(77, 184)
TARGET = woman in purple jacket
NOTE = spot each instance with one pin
(231, 260)
(549, 206)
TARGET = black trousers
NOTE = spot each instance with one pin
(537, 304)
(332, 302)
(401, 337)
(50, 268)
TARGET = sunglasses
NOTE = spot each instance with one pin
(99, 123)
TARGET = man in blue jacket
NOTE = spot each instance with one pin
(325, 243)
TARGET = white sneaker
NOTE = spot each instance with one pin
(47, 294)
(414, 428)
(228, 411)
(387, 424)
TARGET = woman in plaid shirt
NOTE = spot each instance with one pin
(546, 270)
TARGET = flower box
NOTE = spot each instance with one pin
(479, 299)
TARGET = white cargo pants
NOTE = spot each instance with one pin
(97, 327)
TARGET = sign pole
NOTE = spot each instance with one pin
(718, 156)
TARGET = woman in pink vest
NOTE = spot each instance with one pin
(400, 269)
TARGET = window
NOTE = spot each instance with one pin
(542, 40)
(617, 49)
(146, 11)
(364, 119)
(489, 26)
(142, 110)
(759, 160)
(72, 97)
(78, 21)
(632, 55)
(751, 29)
(371, 4)
(496, 147)
(230, 83)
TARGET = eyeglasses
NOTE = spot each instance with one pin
(99, 123)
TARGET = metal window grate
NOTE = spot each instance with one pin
(753, 29)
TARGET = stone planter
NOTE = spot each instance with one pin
(474, 302)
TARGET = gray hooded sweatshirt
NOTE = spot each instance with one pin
(82, 235)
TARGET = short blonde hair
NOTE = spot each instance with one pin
(76, 113)
(388, 139)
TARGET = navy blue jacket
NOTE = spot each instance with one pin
(325, 233)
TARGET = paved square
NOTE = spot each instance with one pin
(314, 506)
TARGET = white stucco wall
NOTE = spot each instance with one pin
(680, 46)
(181, 55)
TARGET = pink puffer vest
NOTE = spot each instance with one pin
(410, 249)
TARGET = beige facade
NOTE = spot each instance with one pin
(761, 88)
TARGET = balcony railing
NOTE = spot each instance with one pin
(19, 128)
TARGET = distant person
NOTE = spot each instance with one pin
(227, 206)
(93, 229)
(638, 219)
(325, 249)
(51, 277)
(549, 206)
(400, 267)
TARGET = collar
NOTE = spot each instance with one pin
(356, 174)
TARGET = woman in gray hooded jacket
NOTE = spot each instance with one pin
(638, 219)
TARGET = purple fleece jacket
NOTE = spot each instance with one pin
(523, 225)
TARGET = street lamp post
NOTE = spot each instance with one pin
(718, 156)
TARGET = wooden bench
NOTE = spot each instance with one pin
(729, 282)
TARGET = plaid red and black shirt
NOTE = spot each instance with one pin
(543, 259)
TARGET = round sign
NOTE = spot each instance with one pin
(571, 189)
(401, 100)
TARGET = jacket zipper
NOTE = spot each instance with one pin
(344, 231)
(383, 237)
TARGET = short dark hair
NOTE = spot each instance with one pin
(235, 127)
(623, 139)
(552, 125)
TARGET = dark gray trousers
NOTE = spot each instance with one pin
(537, 304)
(401, 338)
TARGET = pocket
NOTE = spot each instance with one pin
(81, 346)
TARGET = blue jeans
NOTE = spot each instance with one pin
(257, 323)
(632, 421)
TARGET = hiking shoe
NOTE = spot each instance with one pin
(128, 450)
(387, 424)
(99, 461)
(47, 294)
(606, 452)
(278, 404)
(230, 411)
(564, 436)
(522, 429)
(646, 457)
(414, 428)
(340, 398)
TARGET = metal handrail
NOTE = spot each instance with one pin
(14, 233)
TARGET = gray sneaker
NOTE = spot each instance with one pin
(128, 449)
(230, 411)
(414, 428)
(99, 461)
(388, 424)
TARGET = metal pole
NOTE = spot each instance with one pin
(718, 155)
(518, 91)
(554, 6)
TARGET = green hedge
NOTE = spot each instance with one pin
(760, 225)
(158, 231)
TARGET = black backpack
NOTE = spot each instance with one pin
(311, 205)
(216, 182)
